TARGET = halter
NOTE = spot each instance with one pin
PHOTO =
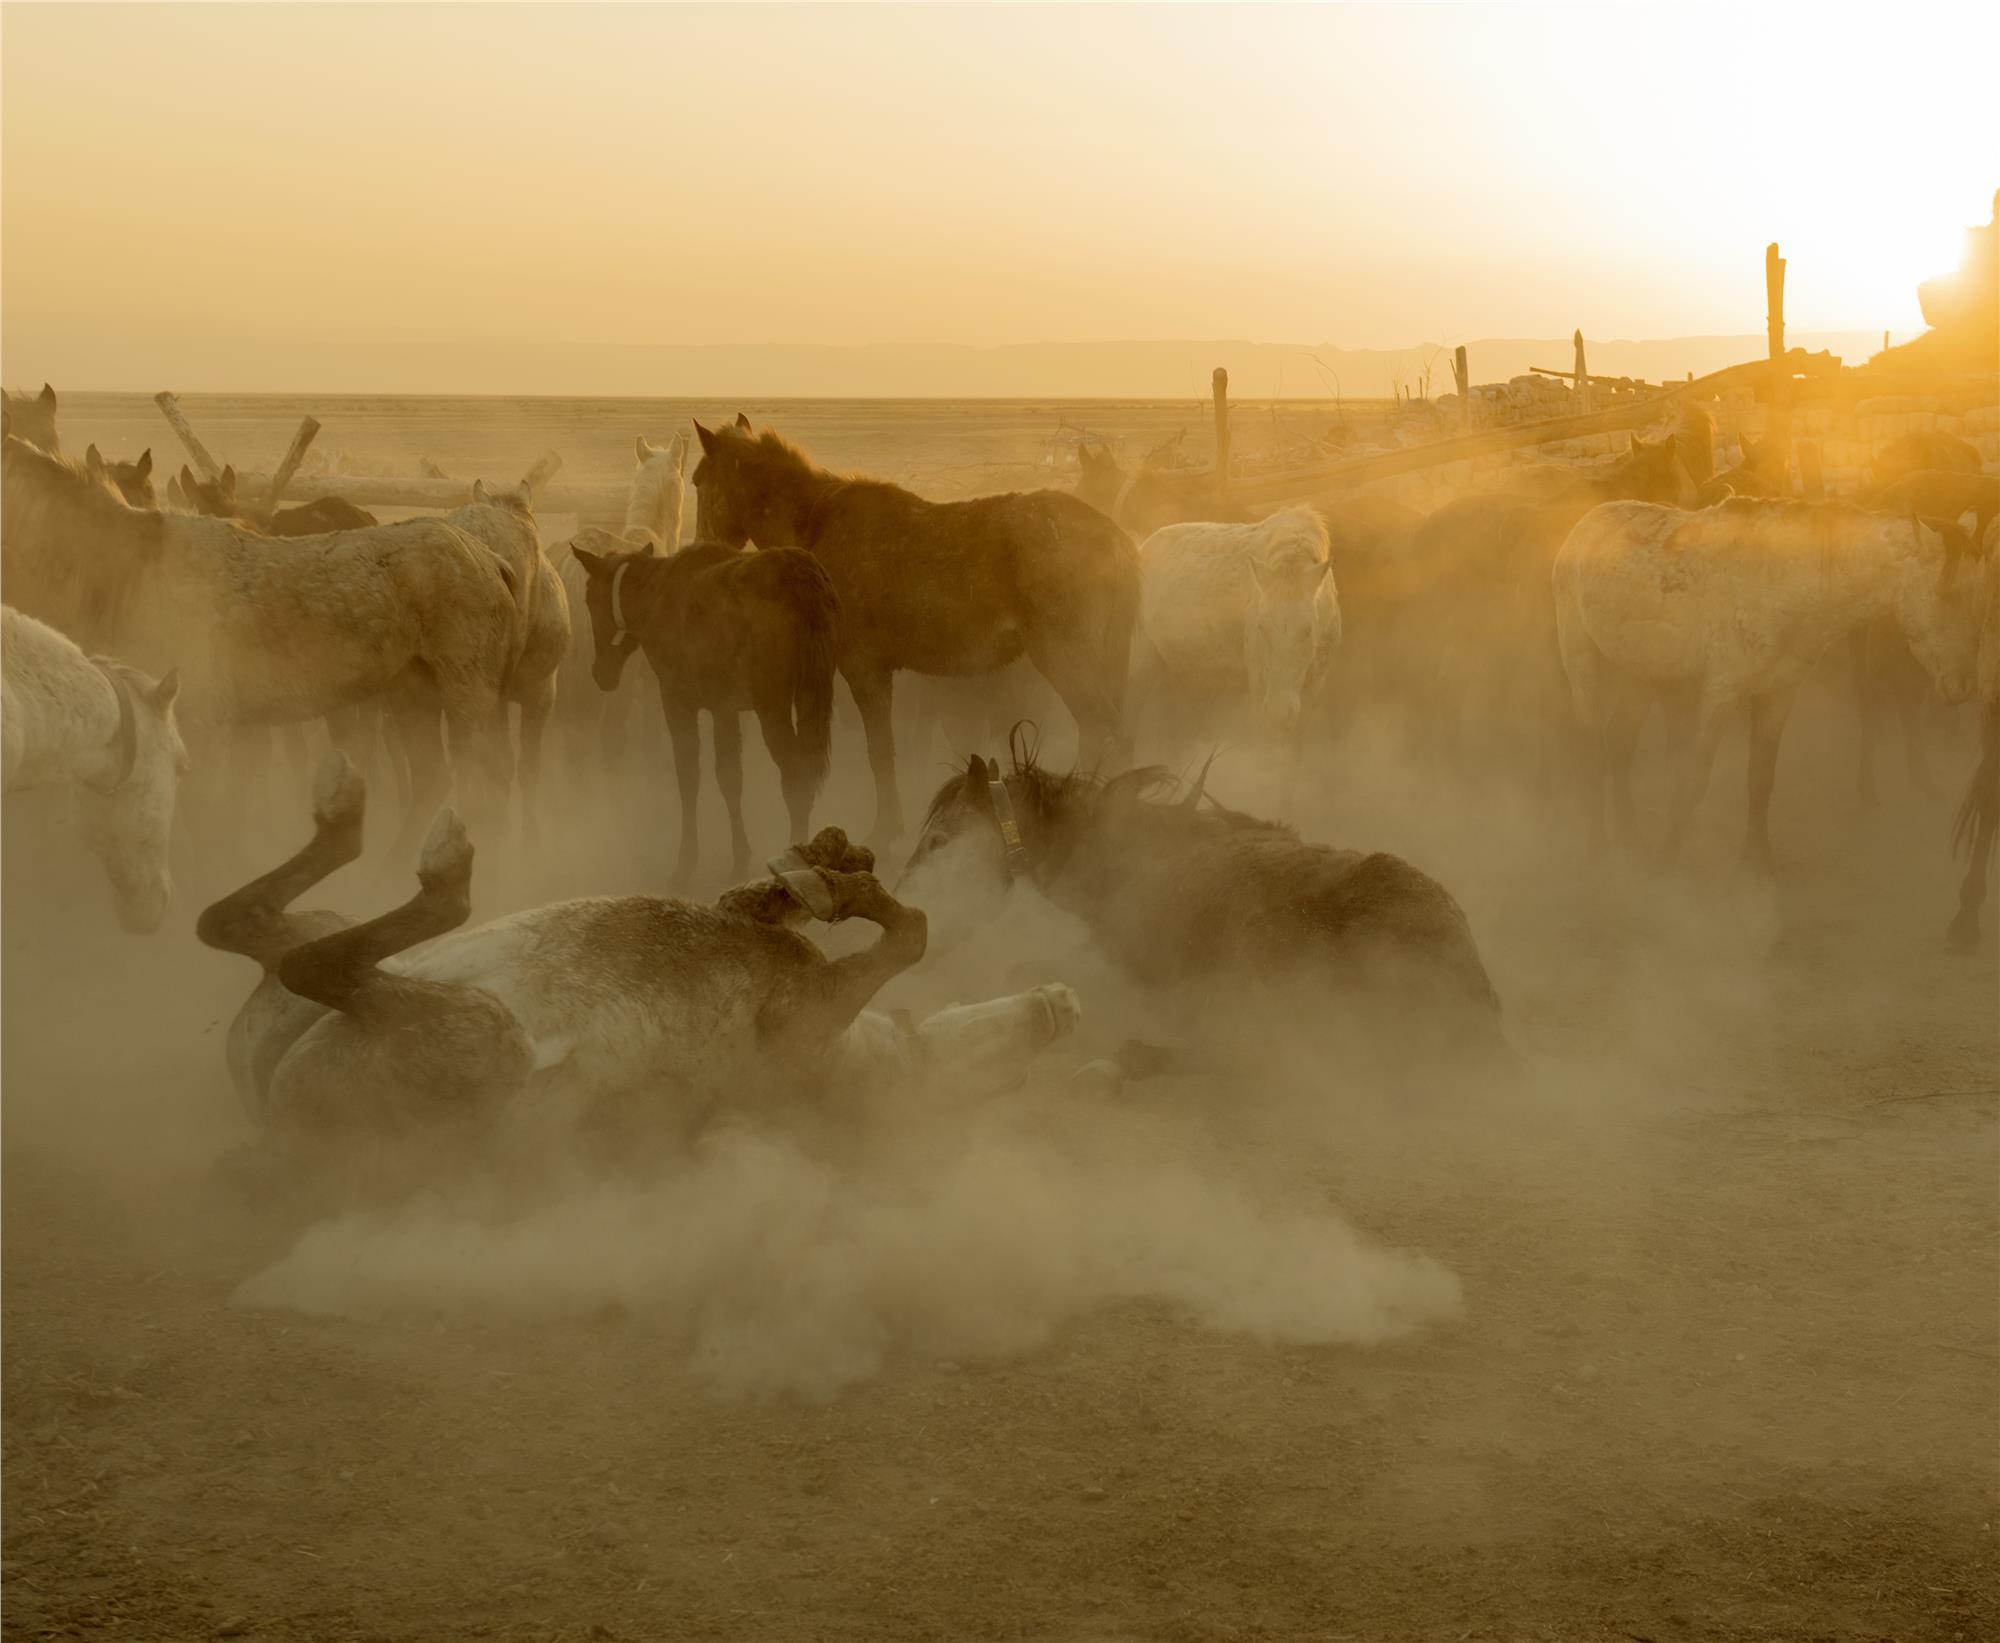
(126, 738)
(1013, 853)
(620, 633)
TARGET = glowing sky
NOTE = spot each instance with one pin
(1365, 175)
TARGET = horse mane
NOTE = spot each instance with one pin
(773, 462)
(71, 535)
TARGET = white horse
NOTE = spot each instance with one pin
(1239, 612)
(659, 1009)
(655, 507)
(1734, 605)
(107, 732)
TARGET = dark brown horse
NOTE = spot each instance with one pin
(217, 499)
(949, 588)
(1213, 899)
(1925, 453)
(724, 630)
(1141, 501)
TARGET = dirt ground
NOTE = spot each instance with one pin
(1689, 1331)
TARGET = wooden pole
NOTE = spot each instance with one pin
(1779, 397)
(1221, 384)
(170, 408)
(1461, 373)
(1583, 401)
(308, 430)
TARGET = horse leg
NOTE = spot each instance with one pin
(1916, 749)
(781, 741)
(874, 694)
(1694, 776)
(729, 777)
(1767, 725)
(252, 921)
(421, 733)
(1097, 705)
(838, 991)
(1864, 712)
(482, 754)
(536, 707)
(684, 730)
(1979, 828)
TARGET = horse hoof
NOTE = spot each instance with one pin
(339, 792)
(447, 849)
(808, 887)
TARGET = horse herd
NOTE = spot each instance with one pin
(1544, 619)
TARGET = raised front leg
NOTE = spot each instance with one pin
(807, 1019)
(252, 921)
(1767, 726)
(874, 694)
(684, 731)
(729, 777)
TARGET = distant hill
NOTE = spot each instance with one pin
(1040, 370)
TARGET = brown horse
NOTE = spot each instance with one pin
(1142, 501)
(33, 417)
(133, 480)
(940, 587)
(217, 499)
(724, 630)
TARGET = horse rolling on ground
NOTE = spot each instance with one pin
(597, 723)
(1735, 604)
(271, 632)
(217, 499)
(723, 630)
(1239, 611)
(1141, 501)
(1977, 830)
(1217, 900)
(650, 1012)
(940, 587)
(33, 417)
(107, 732)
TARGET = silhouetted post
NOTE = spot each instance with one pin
(1461, 373)
(1582, 374)
(308, 430)
(170, 408)
(1221, 380)
(1780, 397)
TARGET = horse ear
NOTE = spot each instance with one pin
(976, 778)
(652, 549)
(145, 463)
(229, 480)
(49, 395)
(187, 480)
(167, 689)
(93, 460)
(479, 496)
(524, 494)
(681, 443)
(743, 422)
(592, 563)
(707, 438)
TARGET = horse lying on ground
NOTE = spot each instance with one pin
(939, 587)
(33, 417)
(1735, 604)
(725, 629)
(275, 632)
(217, 499)
(597, 723)
(1230, 905)
(107, 732)
(1236, 612)
(635, 1009)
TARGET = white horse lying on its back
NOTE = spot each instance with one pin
(1239, 611)
(1736, 604)
(107, 731)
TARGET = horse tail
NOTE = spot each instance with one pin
(807, 592)
(1979, 811)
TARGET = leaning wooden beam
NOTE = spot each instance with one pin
(538, 477)
(170, 408)
(308, 431)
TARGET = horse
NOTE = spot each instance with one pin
(1976, 830)
(106, 731)
(1142, 502)
(1214, 899)
(939, 587)
(723, 630)
(134, 479)
(274, 632)
(395, 1028)
(1925, 453)
(1235, 611)
(1735, 604)
(33, 417)
(598, 720)
(217, 499)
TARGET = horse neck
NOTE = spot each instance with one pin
(82, 548)
(656, 502)
(801, 497)
(655, 599)
(70, 724)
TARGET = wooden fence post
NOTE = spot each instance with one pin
(1582, 378)
(1461, 373)
(282, 476)
(170, 408)
(1780, 396)
(1221, 382)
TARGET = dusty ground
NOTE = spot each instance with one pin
(1726, 1362)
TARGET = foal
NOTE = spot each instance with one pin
(725, 630)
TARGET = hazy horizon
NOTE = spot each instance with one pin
(280, 185)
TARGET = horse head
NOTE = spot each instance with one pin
(126, 816)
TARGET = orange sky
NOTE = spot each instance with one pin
(1360, 175)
